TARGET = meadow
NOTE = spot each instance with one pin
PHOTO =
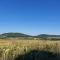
(29, 50)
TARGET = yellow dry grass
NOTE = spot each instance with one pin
(12, 48)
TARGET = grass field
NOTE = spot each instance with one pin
(11, 49)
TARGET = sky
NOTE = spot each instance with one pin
(32, 17)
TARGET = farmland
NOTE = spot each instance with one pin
(28, 49)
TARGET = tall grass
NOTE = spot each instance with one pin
(9, 49)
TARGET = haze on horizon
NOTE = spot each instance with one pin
(32, 17)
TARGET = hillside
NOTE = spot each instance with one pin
(46, 36)
(13, 35)
(16, 35)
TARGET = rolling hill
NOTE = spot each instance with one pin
(13, 35)
(16, 35)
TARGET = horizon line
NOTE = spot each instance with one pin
(30, 34)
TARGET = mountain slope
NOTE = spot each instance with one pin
(46, 36)
(14, 35)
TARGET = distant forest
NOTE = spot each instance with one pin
(21, 35)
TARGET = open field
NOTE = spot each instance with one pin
(11, 49)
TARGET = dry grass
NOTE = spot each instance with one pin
(9, 49)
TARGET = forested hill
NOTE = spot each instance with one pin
(13, 35)
(46, 36)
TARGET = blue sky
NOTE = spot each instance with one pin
(30, 16)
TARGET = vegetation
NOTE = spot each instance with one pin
(29, 49)
(29, 37)
(18, 46)
(14, 35)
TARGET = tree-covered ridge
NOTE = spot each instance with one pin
(15, 35)
(47, 35)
